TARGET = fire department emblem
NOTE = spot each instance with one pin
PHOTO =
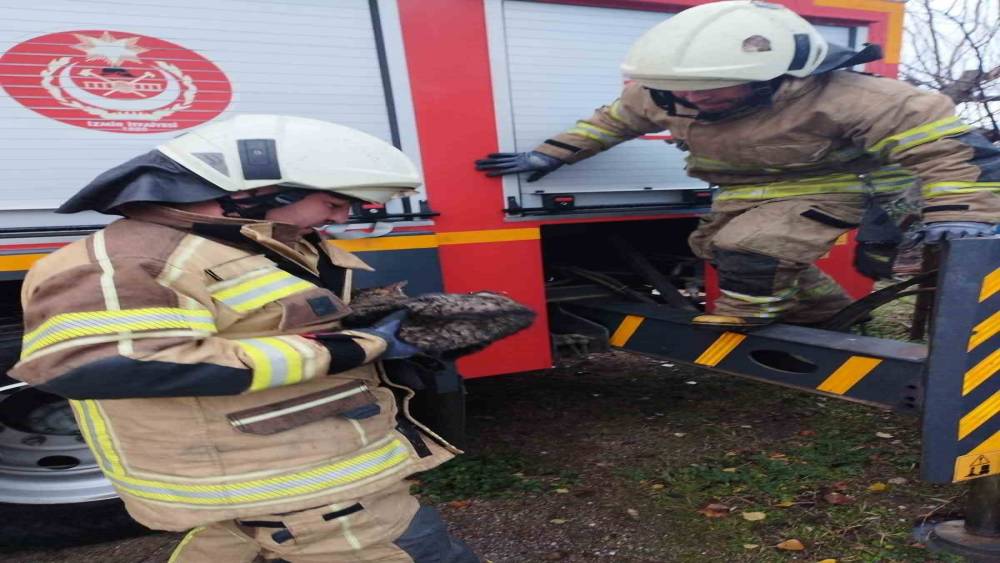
(114, 81)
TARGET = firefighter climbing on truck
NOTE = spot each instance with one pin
(801, 147)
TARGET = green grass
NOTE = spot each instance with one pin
(489, 475)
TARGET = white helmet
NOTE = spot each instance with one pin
(253, 151)
(725, 44)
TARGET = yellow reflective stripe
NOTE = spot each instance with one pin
(275, 362)
(937, 189)
(385, 455)
(991, 285)
(95, 431)
(293, 359)
(599, 134)
(981, 372)
(720, 349)
(176, 555)
(880, 181)
(261, 290)
(979, 415)
(383, 458)
(68, 326)
(625, 330)
(910, 138)
(614, 110)
(261, 366)
(849, 374)
(984, 331)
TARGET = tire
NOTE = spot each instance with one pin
(26, 526)
(52, 493)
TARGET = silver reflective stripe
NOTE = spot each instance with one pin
(109, 322)
(301, 407)
(271, 367)
(356, 468)
(237, 300)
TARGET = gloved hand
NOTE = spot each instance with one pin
(502, 163)
(387, 329)
(934, 233)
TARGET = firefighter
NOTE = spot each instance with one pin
(199, 344)
(800, 147)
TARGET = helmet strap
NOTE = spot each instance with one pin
(761, 97)
(257, 206)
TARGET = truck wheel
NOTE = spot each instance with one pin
(51, 489)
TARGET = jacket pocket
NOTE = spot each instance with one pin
(352, 400)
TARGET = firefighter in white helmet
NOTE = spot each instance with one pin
(199, 343)
(800, 147)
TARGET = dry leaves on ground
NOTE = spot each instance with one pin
(791, 545)
(715, 510)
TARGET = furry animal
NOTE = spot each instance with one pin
(444, 325)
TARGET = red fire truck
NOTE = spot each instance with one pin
(88, 84)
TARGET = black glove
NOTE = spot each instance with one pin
(503, 163)
(387, 329)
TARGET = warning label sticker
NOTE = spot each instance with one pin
(980, 464)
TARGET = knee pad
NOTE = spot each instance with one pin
(745, 272)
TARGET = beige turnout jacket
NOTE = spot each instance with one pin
(841, 132)
(182, 342)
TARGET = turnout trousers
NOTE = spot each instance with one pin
(389, 527)
(764, 252)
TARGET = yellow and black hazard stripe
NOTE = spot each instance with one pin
(842, 372)
(981, 389)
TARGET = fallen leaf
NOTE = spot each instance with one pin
(785, 504)
(777, 455)
(658, 486)
(459, 503)
(729, 470)
(633, 513)
(750, 546)
(791, 545)
(877, 487)
(807, 433)
(828, 561)
(884, 435)
(898, 481)
(715, 511)
(558, 521)
(838, 498)
(680, 434)
(562, 491)
(754, 516)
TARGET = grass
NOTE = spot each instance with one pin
(492, 474)
(841, 478)
(792, 484)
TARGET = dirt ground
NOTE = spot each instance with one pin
(618, 457)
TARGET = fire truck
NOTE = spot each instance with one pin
(88, 84)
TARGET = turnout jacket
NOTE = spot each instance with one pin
(183, 344)
(839, 132)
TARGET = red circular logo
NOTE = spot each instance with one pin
(114, 81)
